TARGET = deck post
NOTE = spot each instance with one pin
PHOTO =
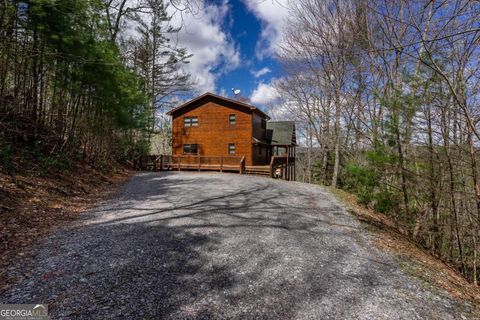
(291, 164)
(294, 163)
(179, 159)
(221, 163)
(289, 156)
(288, 165)
(242, 162)
(199, 161)
(271, 166)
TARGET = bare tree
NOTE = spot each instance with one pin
(390, 91)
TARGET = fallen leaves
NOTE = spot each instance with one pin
(33, 207)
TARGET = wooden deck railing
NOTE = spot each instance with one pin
(193, 162)
(280, 167)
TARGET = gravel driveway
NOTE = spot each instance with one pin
(209, 246)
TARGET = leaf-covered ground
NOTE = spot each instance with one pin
(32, 207)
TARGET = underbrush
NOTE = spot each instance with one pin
(44, 183)
(29, 149)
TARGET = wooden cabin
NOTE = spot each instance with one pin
(226, 130)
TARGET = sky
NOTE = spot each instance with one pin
(234, 43)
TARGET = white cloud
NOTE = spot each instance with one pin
(273, 15)
(265, 94)
(203, 35)
(281, 110)
(261, 72)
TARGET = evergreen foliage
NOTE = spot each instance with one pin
(61, 71)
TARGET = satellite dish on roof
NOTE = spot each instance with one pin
(236, 92)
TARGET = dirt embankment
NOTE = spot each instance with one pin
(32, 206)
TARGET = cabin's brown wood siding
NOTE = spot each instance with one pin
(214, 133)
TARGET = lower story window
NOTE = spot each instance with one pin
(190, 148)
(231, 148)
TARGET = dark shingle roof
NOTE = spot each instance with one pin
(211, 96)
(281, 133)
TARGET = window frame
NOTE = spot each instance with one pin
(184, 147)
(191, 121)
(230, 122)
(230, 149)
(194, 123)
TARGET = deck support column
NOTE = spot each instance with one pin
(287, 177)
(242, 164)
(271, 166)
(294, 164)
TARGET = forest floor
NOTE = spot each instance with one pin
(32, 207)
(199, 245)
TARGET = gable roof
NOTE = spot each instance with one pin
(210, 96)
(281, 133)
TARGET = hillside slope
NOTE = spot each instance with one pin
(43, 186)
(32, 207)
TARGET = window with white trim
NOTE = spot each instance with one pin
(190, 121)
(231, 120)
(231, 148)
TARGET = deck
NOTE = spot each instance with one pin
(279, 167)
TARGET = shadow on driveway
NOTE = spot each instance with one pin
(188, 245)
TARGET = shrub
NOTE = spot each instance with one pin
(362, 181)
(385, 202)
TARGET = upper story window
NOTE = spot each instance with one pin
(264, 124)
(231, 148)
(190, 148)
(190, 121)
(231, 119)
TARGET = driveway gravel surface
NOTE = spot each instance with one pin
(220, 246)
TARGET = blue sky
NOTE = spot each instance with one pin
(234, 43)
(245, 31)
